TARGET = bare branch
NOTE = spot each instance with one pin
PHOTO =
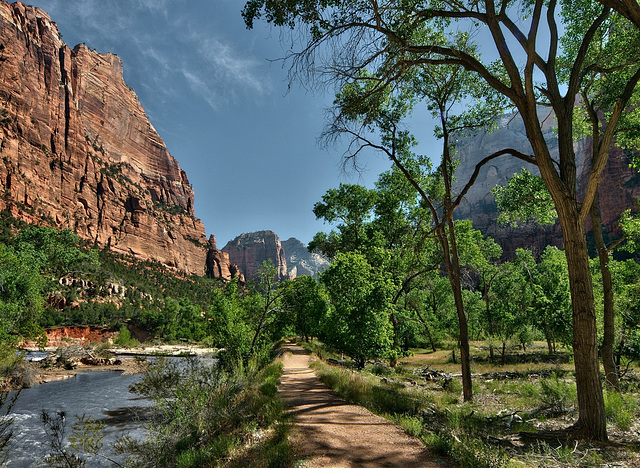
(476, 171)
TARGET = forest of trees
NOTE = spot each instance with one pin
(467, 62)
(405, 271)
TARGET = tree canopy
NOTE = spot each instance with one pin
(525, 61)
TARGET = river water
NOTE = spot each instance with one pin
(103, 395)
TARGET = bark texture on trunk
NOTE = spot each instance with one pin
(591, 422)
(453, 271)
(606, 350)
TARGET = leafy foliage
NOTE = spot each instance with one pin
(524, 199)
(358, 323)
(205, 413)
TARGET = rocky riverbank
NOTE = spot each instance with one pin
(65, 362)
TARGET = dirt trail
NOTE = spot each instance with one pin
(333, 433)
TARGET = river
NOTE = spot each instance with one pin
(102, 395)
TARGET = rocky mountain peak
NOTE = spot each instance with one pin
(249, 250)
(79, 151)
(302, 262)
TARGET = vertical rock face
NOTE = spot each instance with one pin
(218, 264)
(302, 262)
(249, 251)
(79, 152)
(619, 187)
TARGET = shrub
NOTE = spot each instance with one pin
(125, 339)
(473, 453)
(438, 442)
(620, 410)
(557, 395)
(207, 413)
(411, 424)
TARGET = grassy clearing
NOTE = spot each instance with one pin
(508, 423)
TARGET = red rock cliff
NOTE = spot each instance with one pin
(249, 251)
(79, 152)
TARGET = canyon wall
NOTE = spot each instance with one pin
(79, 152)
(619, 187)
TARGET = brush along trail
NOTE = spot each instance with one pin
(333, 433)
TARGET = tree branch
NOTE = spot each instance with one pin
(476, 171)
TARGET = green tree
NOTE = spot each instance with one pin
(526, 199)
(388, 36)
(228, 325)
(552, 304)
(626, 279)
(267, 306)
(21, 296)
(513, 296)
(358, 323)
(56, 252)
(351, 206)
(305, 304)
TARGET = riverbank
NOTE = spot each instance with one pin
(60, 363)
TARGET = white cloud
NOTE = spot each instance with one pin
(165, 41)
(203, 89)
(233, 67)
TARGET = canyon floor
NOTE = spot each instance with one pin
(330, 432)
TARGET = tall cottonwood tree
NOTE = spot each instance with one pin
(382, 35)
(370, 114)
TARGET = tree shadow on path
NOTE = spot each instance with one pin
(333, 433)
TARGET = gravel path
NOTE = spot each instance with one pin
(333, 433)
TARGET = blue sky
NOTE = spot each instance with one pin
(225, 111)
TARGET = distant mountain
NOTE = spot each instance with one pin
(291, 258)
(619, 187)
(79, 152)
(302, 262)
(249, 250)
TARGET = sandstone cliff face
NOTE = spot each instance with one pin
(219, 265)
(79, 152)
(249, 251)
(619, 186)
(302, 262)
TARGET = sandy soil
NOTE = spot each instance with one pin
(333, 433)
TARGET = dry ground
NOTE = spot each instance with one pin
(332, 433)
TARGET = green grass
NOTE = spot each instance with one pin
(214, 417)
(539, 395)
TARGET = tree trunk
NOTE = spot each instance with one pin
(606, 350)
(430, 337)
(453, 271)
(503, 358)
(549, 343)
(591, 422)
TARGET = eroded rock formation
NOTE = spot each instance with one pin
(302, 262)
(248, 251)
(79, 152)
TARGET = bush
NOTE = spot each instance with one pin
(438, 442)
(473, 453)
(620, 410)
(557, 395)
(124, 338)
(206, 413)
(411, 424)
